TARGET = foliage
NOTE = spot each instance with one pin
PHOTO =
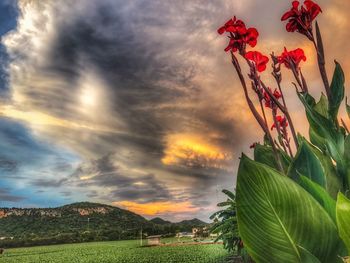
(225, 225)
(276, 217)
(65, 224)
(292, 207)
(117, 252)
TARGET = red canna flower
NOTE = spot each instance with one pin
(251, 37)
(259, 59)
(300, 17)
(234, 45)
(233, 26)
(268, 100)
(282, 122)
(239, 40)
(292, 58)
(312, 9)
(239, 35)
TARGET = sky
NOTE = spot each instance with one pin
(135, 103)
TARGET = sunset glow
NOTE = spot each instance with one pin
(190, 147)
(158, 208)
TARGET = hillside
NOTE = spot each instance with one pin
(80, 222)
(159, 221)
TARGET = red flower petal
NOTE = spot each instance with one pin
(289, 58)
(281, 121)
(313, 8)
(300, 17)
(295, 4)
(221, 30)
(259, 60)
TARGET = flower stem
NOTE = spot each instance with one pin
(285, 112)
(278, 128)
(255, 113)
(321, 60)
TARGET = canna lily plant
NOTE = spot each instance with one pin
(292, 200)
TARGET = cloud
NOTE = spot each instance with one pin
(139, 96)
(99, 81)
(7, 165)
(121, 184)
(7, 196)
(8, 14)
(45, 183)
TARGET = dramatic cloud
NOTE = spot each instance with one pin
(6, 196)
(135, 103)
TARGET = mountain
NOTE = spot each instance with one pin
(159, 221)
(193, 222)
(80, 222)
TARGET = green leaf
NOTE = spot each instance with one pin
(309, 100)
(306, 163)
(325, 129)
(333, 181)
(229, 194)
(343, 219)
(337, 92)
(347, 161)
(275, 215)
(317, 140)
(322, 106)
(347, 107)
(264, 154)
(306, 256)
(320, 195)
(226, 203)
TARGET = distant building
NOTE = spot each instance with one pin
(195, 230)
(3, 238)
(153, 240)
(184, 234)
(200, 231)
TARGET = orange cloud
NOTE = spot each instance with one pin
(190, 148)
(157, 208)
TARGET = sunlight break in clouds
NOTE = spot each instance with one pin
(193, 150)
(158, 208)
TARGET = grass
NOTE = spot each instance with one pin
(116, 252)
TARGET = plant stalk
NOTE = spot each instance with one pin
(255, 113)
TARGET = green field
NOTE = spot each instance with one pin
(117, 252)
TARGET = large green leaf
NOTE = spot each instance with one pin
(306, 256)
(306, 163)
(321, 196)
(333, 181)
(317, 166)
(337, 92)
(264, 154)
(276, 215)
(325, 129)
(343, 219)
